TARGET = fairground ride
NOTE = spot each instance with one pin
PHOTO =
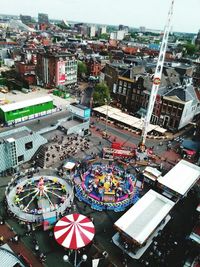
(157, 77)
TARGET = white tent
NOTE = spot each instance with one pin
(128, 120)
(140, 221)
(181, 177)
(69, 165)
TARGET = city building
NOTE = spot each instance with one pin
(179, 180)
(18, 146)
(26, 72)
(94, 67)
(102, 30)
(118, 35)
(197, 41)
(79, 121)
(80, 111)
(179, 106)
(26, 19)
(123, 28)
(92, 31)
(25, 110)
(132, 85)
(43, 18)
(142, 29)
(43, 21)
(141, 223)
(56, 69)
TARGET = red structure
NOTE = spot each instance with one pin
(112, 153)
(94, 67)
(26, 72)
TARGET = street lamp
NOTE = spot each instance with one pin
(107, 102)
(83, 259)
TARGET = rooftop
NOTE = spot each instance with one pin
(181, 178)
(16, 135)
(140, 221)
(68, 124)
(79, 106)
(25, 103)
(14, 132)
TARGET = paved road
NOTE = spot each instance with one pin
(131, 138)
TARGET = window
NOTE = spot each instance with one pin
(29, 145)
(179, 112)
(120, 90)
(124, 91)
(21, 158)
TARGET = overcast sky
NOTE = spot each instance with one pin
(149, 13)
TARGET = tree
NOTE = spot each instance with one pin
(104, 36)
(190, 49)
(82, 69)
(101, 94)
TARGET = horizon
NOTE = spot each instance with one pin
(96, 23)
(151, 15)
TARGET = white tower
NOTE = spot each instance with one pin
(157, 75)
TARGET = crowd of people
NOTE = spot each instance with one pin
(62, 147)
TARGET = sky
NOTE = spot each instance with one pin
(135, 13)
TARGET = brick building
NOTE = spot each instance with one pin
(56, 69)
(94, 67)
(26, 72)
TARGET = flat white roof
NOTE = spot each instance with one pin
(118, 115)
(151, 173)
(25, 103)
(181, 177)
(69, 165)
(140, 221)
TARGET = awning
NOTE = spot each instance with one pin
(126, 119)
(69, 165)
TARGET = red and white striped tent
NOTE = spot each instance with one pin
(74, 231)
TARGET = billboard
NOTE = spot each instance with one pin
(61, 73)
(80, 111)
(87, 113)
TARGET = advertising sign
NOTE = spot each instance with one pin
(61, 73)
(87, 113)
(80, 111)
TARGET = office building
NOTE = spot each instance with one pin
(56, 69)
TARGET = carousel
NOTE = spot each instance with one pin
(38, 199)
(107, 187)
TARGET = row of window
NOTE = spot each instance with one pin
(172, 109)
(25, 109)
(125, 84)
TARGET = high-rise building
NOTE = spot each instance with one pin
(102, 30)
(43, 18)
(118, 35)
(142, 29)
(197, 41)
(56, 69)
(123, 28)
(92, 31)
(26, 19)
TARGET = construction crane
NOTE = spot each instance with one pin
(157, 77)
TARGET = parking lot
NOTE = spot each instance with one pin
(16, 96)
